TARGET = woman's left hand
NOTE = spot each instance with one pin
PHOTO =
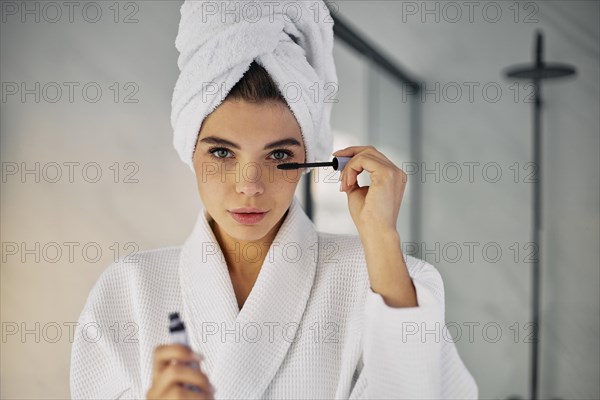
(376, 206)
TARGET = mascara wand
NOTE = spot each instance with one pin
(338, 164)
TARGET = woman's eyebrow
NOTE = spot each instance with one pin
(283, 142)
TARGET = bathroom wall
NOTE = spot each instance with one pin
(490, 131)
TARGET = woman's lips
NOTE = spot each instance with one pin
(248, 218)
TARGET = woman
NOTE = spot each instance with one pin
(273, 308)
(339, 318)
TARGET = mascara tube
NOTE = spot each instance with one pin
(179, 336)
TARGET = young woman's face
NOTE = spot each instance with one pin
(239, 147)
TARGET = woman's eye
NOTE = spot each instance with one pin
(278, 155)
(282, 152)
(222, 152)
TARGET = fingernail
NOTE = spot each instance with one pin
(341, 183)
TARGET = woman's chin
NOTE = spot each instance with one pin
(238, 237)
(246, 233)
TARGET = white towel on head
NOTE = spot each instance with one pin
(217, 42)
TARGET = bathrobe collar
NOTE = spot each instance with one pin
(241, 355)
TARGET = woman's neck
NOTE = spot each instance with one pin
(244, 258)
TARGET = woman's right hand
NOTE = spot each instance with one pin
(170, 373)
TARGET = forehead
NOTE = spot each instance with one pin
(248, 123)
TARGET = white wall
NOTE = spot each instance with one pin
(453, 53)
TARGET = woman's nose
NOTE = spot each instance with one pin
(251, 182)
(250, 189)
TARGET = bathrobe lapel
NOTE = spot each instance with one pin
(243, 350)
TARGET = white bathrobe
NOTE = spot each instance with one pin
(311, 327)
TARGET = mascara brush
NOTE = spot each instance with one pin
(338, 164)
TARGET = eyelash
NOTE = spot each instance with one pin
(289, 153)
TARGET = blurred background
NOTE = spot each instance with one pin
(89, 173)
